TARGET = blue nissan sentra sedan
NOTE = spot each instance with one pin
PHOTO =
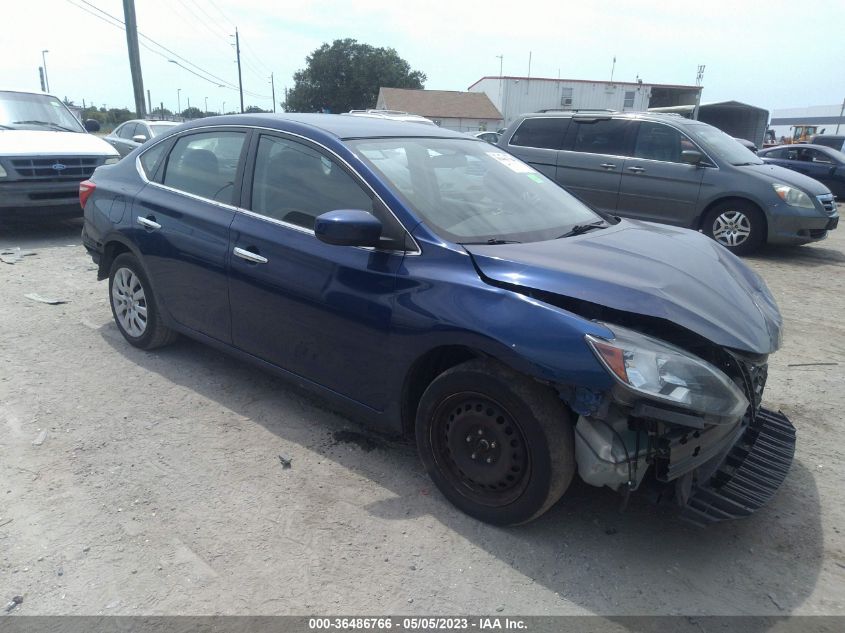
(430, 284)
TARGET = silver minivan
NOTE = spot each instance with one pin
(668, 169)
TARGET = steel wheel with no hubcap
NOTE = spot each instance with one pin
(731, 228)
(129, 301)
(481, 449)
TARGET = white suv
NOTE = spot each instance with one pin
(45, 152)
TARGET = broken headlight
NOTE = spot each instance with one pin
(661, 371)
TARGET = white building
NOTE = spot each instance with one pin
(829, 118)
(515, 95)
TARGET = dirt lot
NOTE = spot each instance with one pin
(158, 488)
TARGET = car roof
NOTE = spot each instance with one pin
(796, 145)
(337, 125)
(666, 117)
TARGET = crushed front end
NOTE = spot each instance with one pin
(686, 417)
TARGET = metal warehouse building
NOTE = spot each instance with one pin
(737, 119)
(830, 118)
(516, 95)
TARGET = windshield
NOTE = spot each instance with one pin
(723, 146)
(468, 191)
(26, 111)
(158, 129)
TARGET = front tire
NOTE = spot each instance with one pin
(134, 306)
(497, 444)
(737, 225)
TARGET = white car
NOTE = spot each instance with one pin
(394, 115)
(45, 152)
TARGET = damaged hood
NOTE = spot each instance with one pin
(649, 269)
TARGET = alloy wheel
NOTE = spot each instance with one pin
(129, 302)
(731, 228)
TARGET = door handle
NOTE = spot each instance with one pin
(608, 165)
(249, 256)
(636, 170)
(148, 223)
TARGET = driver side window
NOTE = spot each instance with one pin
(295, 183)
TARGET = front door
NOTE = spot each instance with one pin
(317, 310)
(655, 184)
(181, 224)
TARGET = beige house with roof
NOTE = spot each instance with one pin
(450, 109)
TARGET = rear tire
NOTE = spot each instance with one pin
(497, 444)
(134, 306)
(737, 225)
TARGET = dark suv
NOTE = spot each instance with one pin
(665, 168)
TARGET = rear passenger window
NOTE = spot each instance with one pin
(294, 183)
(127, 130)
(151, 159)
(205, 164)
(659, 142)
(546, 133)
(606, 136)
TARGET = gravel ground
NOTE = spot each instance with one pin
(150, 483)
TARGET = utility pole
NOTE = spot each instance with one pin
(613, 69)
(41, 75)
(206, 106)
(179, 101)
(134, 56)
(273, 88)
(240, 81)
(699, 76)
(44, 60)
(841, 111)
(501, 79)
(149, 105)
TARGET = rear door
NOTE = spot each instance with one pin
(537, 141)
(318, 310)
(590, 164)
(123, 138)
(181, 220)
(655, 184)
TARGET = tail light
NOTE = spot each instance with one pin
(86, 188)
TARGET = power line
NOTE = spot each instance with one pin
(118, 23)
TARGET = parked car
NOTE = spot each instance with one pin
(45, 152)
(515, 332)
(816, 161)
(392, 115)
(490, 137)
(837, 142)
(129, 135)
(665, 168)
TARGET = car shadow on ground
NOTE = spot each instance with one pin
(34, 232)
(642, 561)
(807, 255)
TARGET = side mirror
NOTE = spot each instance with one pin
(348, 227)
(92, 125)
(139, 138)
(691, 157)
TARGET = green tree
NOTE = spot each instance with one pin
(254, 110)
(346, 75)
(158, 113)
(192, 113)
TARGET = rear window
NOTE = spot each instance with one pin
(605, 136)
(546, 133)
(151, 159)
(205, 164)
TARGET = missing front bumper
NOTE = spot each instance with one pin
(750, 474)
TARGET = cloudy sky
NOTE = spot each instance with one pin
(772, 54)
